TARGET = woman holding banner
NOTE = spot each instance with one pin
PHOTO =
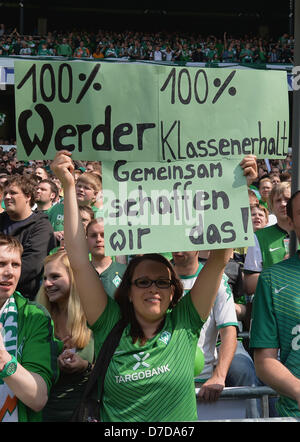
(156, 353)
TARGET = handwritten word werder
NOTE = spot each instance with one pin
(111, 137)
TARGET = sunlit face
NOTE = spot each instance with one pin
(279, 205)
(95, 239)
(44, 193)
(56, 282)
(16, 202)
(275, 180)
(150, 304)
(39, 171)
(85, 193)
(265, 189)
(10, 271)
(259, 219)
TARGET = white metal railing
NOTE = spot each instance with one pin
(233, 398)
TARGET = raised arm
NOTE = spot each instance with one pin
(205, 289)
(89, 286)
(29, 387)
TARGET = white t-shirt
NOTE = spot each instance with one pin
(223, 314)
(157, 56)
(272, 220)
(253, 260)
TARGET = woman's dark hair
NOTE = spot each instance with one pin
(122, 293)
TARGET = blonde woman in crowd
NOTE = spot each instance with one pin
(58, 294)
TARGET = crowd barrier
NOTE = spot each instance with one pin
(233, 404)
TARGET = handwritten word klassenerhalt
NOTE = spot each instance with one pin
(173, 146)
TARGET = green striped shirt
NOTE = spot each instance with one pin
(153, 382)
(276, 319)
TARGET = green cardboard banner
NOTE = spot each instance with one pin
(145, 112)
(165, 207)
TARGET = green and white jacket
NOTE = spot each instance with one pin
(37, 348)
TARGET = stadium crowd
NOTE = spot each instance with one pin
(157, 46)
(71, 300)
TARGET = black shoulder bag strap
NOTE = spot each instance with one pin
(89, 407)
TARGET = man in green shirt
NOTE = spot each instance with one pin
(110, 272)
(43, 50)
(246, 54)
(28, 349)
(270, 242)
(265, 189)
(64, 49)
(46, 193)
(275, 329)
